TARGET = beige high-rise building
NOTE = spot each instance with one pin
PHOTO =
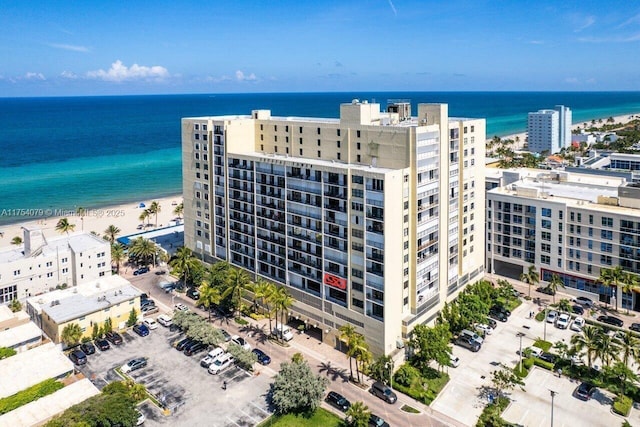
(373, 219)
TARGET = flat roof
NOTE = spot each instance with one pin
(31, 367)
(45, 408)
(153, 234)
(79, 242)
(19, 334)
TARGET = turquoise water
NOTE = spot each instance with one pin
(61, 153)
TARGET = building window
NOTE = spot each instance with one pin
(301, 151)
(318, 143)
(357, 134)
(319, 155)
(357, 303)
(607, 222)
(358, 146)
(338, 156)
(358, 158)
(338, 143)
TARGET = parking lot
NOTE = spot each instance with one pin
(194, 397)
(461, 397)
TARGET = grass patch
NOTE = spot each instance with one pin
(622, 405)
(510, 304)
(241, 321)
(422, 386)
(320, 418)
(6, 352)
(543, 364)
(540, 316)
(526, 366)
(409, 409)
(28, 395)
(491, 414)
(544, 345)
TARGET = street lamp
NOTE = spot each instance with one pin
(546, 307)
(390, 367)
(520, 335)
(553, 394)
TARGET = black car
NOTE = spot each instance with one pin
(141, 330)
(491, 322)
(611, 320)
(585, 391)
(87, 348)
(78, 357)
(146, 302)
(635, 327)
(468, 343)
(102, 344)
(501, 309)
(383, 392)
(577, 309)
(263, 358)
(195, 349)
(141, 271)
(338, 401)
(546, 290)
(498, 315)
(376, 421)
(184, 343)
(548, 357)
(193, 293)
(113, 337)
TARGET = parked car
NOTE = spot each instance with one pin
(221, 363)
(635, 327)
(146, 302)
(383, 392)
(140, 271)
(263, 358)
(546, 290)
(491, 322)
(585, 391)
(501, 309)
(151, 324)
(498, 315)
(468, 344)
(548, 357)
(587, 302)
(485, 329)
(144, 296)
(149, 309)
(338, 401)
(195, 349)
(102, 344)
(180, 345)
(226, 335)
(134, 365)
(282, 331)
(87, 348)
(113, 337)
(181, 307)
(533, 351)
(241, 342)
(376, 421)
(141, 330)
(193, 343)
(611, 320)
(78, 357)
(562, 322)
(552, 315)
(465, 333)
(577, 324)
(141, 418)
(454, 361)
(193, 293)
(206, 361)
(577, 309)
(165, 320)
(161, 272)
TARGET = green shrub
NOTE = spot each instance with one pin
(241, 321)
(541, 363)
(540, 316)
(28, 395)
(256, 316)
(424, 386)
(622, 405)
(528, 362)
(406, 375)
(491, 414)
(544, 345)
(6, 352)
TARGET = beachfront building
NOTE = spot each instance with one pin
(372, 219)
(569, 224)
(41, 264)
(548, 131)
(87, 304)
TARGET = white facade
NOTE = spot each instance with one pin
(42, 264)
(373, 219)
(543, 134)
(565, 118)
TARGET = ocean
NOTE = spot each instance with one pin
(63, 153)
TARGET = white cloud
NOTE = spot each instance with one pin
(241, 77)
(395, 12)
(70, 47)
(571, 80)
(536, 42)
(631, 20)
(68, 75)
(587, 22)
(625, 39)
(34, 76)
(120, 72)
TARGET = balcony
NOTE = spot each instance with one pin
(340, 207)
(376, 256)
(376, 228)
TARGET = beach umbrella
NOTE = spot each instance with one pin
(141, 205)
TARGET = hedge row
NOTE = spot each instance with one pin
(622, 405)
(28, 395)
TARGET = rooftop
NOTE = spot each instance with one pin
(79, 242)
(31, 367)
(19, 334)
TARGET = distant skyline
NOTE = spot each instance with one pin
(161, 47)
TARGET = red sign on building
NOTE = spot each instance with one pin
(335, 281)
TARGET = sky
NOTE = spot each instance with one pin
(70, 48)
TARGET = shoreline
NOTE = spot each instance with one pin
(623, 119)
(125, 216)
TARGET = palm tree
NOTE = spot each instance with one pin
(554, 284)
(261, 292)
(565, 305)
(347, 334)
(358, 415)
(183, 263)
(209, 295)
(64, 226)
(144, 216)
(155, 210)
(111, 232)
(283, 301)
(531, 277)
(629, 347)
(612, 277)
(179, 209)
(588, 341)
(238, 282)
(143, 248)
(606, 349)
(16, 241)
(118, 254)
(363, 355)
(71, 334)
(631, 282)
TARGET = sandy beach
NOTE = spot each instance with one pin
(522, 136)
(125, 217)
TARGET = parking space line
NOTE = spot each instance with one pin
(252, 419)
(263, 410)
(233, 422)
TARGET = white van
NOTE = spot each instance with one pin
(283, 331)
(211, 356)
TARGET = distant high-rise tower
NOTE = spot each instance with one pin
(549, 130)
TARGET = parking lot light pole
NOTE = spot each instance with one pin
(520, 335)
(546, 307)
(553, 394)
(390, 367)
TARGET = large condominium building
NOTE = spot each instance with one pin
(40, 264)
(373, 219)
(569, 224)
(549, 130)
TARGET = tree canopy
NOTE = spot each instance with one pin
(296, 389)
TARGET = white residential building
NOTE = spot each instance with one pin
(549, 130)
(41, 264)
(373, 219)
(17, 331)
